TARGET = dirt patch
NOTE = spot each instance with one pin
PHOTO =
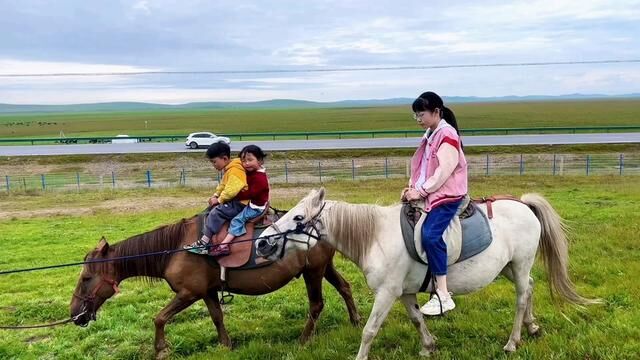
(126, 205)
(9, 309)
(36, 338)
(136, 205)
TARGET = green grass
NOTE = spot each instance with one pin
(604, 251)
(475, 115)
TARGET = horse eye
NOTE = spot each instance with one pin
(298, 218)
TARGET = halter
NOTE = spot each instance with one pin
(88, 302)
(301, 228)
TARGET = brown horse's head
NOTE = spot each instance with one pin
(96, 284)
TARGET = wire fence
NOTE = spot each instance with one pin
(319, 171)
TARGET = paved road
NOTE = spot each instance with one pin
(377, 143)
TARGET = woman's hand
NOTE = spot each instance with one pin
(412, 194)
(403, 194)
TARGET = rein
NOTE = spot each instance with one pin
(61, 322)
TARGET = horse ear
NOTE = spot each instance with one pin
(103, 246)
(318, 198)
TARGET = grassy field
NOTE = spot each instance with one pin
(476, 115)
(603, 253)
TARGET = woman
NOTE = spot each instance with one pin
(439, 177)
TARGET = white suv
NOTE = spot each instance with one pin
(204, 139)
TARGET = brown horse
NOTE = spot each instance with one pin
(194, 277)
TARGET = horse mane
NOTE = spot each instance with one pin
(354, 227)
(167, 237)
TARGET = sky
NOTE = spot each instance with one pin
(62, 36)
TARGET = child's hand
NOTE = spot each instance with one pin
(213, 201)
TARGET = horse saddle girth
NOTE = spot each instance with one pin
(468, 234)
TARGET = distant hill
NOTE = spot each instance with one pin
(280, 104)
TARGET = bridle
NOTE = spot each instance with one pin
(89, 301)
(311, 228)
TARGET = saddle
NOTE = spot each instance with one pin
(243, 252)
(468, 234)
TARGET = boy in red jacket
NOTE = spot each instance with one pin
(257, 193)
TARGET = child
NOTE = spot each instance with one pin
(258, 195)
(224, 201)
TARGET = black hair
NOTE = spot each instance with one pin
(253, 150)
(218, 149)
(430, 101)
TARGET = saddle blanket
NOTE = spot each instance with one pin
(468, 234)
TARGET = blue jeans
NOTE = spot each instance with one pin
(432, 230)
(237, 225)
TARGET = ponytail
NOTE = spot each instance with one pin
(450, 118)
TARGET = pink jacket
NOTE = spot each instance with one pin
(438, 182)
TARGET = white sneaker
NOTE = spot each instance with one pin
(432, 307)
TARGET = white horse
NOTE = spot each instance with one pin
(370, 236)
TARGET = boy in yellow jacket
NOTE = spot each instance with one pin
(224, 203)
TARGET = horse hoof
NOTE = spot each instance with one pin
(226, 343)
(533, 330)
(510, 347)
(304, 339)
(427, 351)
(162, 354)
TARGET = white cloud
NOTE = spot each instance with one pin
(142, 6)
(13, 66)
(143, 35)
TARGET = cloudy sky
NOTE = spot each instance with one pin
(62, 36)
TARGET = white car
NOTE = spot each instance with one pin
(123, 139)
(204, 139)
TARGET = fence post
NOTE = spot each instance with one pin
(113, 179)
(24, 184)
(78, 180)
(286, 172)
(521, 165)
(44, 183)
(8, 183)
(320, 171)
(353, 169)
(184, 177)
(554, 164)
(148, 178)
(588, 164)
(621, 166)
(407, 169)
(487, 168)
(386, 168)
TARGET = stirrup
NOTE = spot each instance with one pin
(225, 297)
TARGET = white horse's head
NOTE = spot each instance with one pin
(299, 229)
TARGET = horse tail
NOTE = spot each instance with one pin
(554, 247)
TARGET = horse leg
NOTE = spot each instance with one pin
(413, 310)
(521, 280)
(313, 280)
(381, 306)
(181, 301)
(529, 320)
(213, 304)
(344, 289)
